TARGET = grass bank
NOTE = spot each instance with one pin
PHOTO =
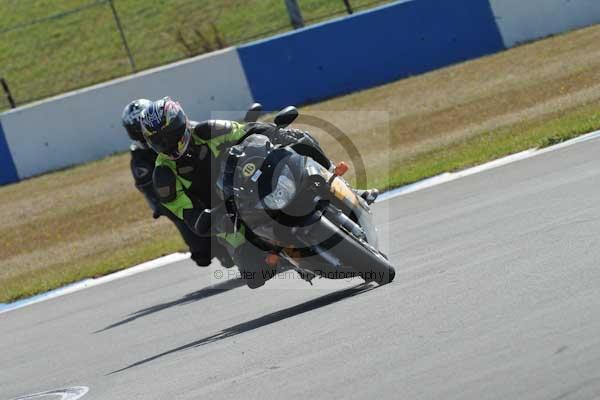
(48, 47)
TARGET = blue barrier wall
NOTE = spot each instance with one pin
(8, 172)
(368, 49)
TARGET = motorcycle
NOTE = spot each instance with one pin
(300, 210)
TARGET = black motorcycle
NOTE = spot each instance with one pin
(298, 208)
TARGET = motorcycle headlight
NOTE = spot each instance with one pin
(284, 191)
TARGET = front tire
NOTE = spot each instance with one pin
(325, 236)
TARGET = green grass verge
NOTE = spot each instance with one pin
(507, 140)
(45, 279)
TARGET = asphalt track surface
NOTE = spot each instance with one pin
(497, 296)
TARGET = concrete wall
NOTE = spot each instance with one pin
(86, 125)
(405, 38)
(521, 21)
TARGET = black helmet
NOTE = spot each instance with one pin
(165, 127)
(131, 118)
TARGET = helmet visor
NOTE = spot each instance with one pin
(171, 140)
(173, 143)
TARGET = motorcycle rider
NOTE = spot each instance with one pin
(187, 169)
(143, 159)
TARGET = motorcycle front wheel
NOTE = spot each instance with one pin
(334, 245)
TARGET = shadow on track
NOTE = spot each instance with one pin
(265, 320)
(188, 298)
